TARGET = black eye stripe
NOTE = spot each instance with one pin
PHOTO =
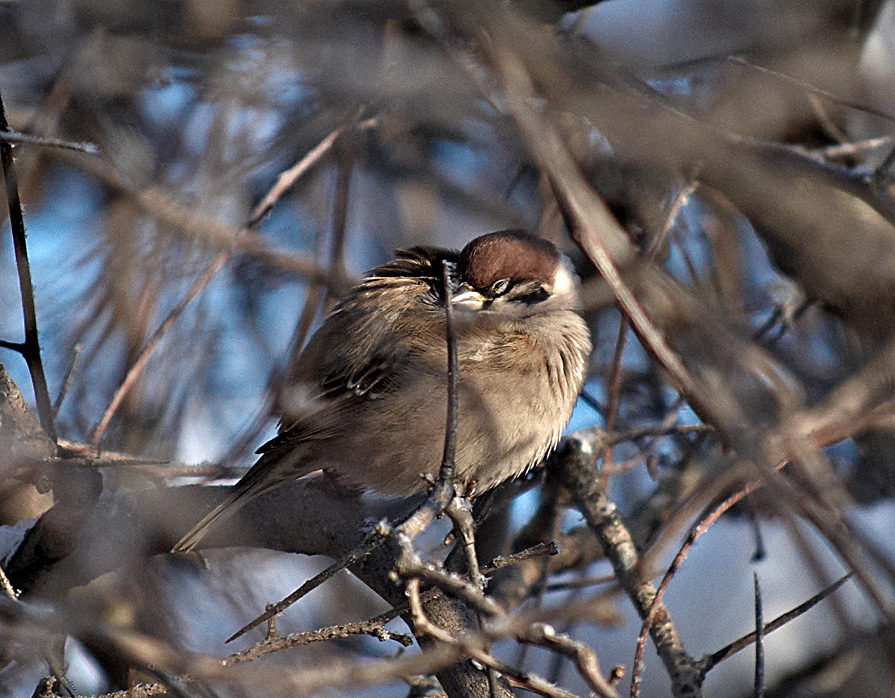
(532, 296)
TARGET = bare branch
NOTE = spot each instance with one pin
(759, 639)
(12, 136)
(30, 349)
(711, 661)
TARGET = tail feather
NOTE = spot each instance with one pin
(255, 482)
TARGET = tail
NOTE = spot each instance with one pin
(254, 483)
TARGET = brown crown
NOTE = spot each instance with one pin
(509, 254)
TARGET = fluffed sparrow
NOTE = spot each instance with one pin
(367, 398)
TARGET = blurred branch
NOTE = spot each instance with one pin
(139, 363)
(596, 230)
(163, 207)
(812, 90)
(592, 226)
(15, 137)
(288, 178)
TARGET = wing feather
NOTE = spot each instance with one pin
(359, 351)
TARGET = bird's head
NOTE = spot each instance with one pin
(514, 274)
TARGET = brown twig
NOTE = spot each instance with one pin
(592, 225)
(584, 656)
(288, 178)
(206, 277)
(374, 540)
(549, 548)
(68, 379)
(446, 473)
(165, 208)
(473, 647)
(614, 380)
(812, 90)
(136, 369)
(411, 565)
(698, 529)
(680, 200)
(6, 586)
(373, 626)
(443, 490)
(420, 519)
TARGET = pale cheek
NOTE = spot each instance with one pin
(565, 282)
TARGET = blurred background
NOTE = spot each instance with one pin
(198, 107)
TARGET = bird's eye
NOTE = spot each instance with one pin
(499, 287)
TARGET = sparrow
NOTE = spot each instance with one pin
(367, 398)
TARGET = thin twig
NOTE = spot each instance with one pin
(374, 539)
(549, 548)
(373, 626)
(411, 565)
(680, 200)
(419, 520)
(737, 60)
(584, 656)
(30, 348)
(6, 586)
(198, 286)
(615, 373)
(592, 225)
(453, 377)
(580, 478)
(443, 491)
(759, 639)
(10, 135)
(472, 647)
(288, 178)
(152, 343)
(68, 379)
(711, 661)
(698, 529)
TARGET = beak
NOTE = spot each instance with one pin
(467, 298)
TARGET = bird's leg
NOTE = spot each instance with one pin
(459, 510)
